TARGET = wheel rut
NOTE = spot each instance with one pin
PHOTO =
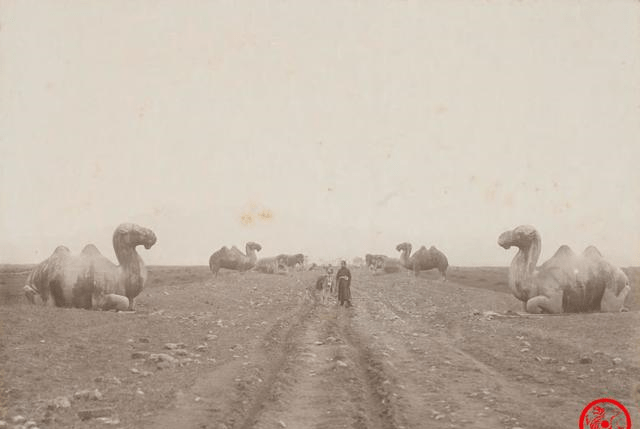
(437, 381)
(330, 379)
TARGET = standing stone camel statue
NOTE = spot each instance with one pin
(423, 260)
(234, 259)
(291, 261)
(89, 280)
(566, 283)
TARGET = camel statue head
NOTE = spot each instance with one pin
(521, 237)
(404, 247)
(254, 246)
(131, 235)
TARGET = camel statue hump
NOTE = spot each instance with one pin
(592, 252)
(90, 250)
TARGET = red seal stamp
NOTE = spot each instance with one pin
(605, 413)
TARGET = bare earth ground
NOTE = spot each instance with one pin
(261, 351)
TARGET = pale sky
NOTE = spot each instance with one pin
(353, 125)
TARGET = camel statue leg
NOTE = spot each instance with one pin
(611, 303)
(542, 304)
(112, 301)
(30, 294)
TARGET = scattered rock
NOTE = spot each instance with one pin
(174, 346)
(95, 413)
(139, 355)
(93, 395)
(163, 360)
(59, 402)
(585, 359)
(181, 352)
(162, 357)
(342, 364)
(18, 420)
(211, 337)
(616, 360)
(30, 424)
(439, 416)
(281, 424)
(134, 370)
(545, 359)
(476, 312)
(562, 369)
(202, 348)
(108, 420)
(524, 350)
(143, 340)
(3, 424)
(489, 315)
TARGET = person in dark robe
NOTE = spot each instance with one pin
(343, 279)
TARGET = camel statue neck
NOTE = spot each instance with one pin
(523, 267)
(533, 253)
(128, 257)
(405, 254)
(251, 253)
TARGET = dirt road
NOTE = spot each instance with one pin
(397, 360)
(411, 353)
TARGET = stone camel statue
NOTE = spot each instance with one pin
(234, 259)
(566, 283)
(89, 280)
(423, 260)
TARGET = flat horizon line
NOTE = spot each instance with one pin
(4, 265)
